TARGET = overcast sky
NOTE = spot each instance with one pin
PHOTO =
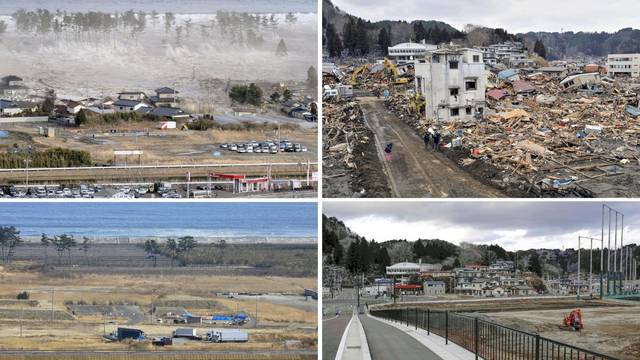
(513, 225)
(514, 15)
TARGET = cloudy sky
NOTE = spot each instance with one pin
(513, 225)
(514, 15)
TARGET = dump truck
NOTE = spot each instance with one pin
(227, 335)
(185, 333)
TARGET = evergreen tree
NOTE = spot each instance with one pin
(419, 32)
(534, 264)
(456, 263)
(384, 40)
(338, 254)
(334, 44)
(281, 50)
(539, 49)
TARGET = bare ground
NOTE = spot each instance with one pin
(414, 170)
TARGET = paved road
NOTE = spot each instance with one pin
(387, 342)
(416, 171)
(332, 330)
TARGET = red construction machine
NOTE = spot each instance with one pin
(574, 320)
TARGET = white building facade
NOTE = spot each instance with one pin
(453, 82)
(405, 53)
(623, 64)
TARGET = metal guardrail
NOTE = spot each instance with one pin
(487, 340)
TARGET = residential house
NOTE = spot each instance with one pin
(556, 72)
(9, 108)
(128, 105)
(132, 95)
(434, 288)
(170, 113)
(165, 97)
(453, 82)
(73, 107)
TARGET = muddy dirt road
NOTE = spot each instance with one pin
(416, 171)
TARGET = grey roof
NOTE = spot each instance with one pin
(6, 104)
(166, 90)
(127, 103)
(168, 112)
(144, 109)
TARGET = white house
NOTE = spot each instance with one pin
(434, 287)
(408, 52)
(623, 64)
(453, 82)
(132, 95)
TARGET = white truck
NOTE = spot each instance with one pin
(227, 335)
(185, 333)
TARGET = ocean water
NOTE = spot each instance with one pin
(162, 219)
(175, 6)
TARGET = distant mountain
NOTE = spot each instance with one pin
(558, 45)
(569, 44)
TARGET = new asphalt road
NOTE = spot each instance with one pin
(387, 342)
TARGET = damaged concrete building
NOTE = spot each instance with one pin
(623, 64)
(453, 82)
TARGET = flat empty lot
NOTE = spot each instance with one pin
(609, 330)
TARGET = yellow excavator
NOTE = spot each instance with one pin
(417, 103)
(359, 70)
(391, 68)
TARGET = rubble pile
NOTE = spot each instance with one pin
(343, 129)
(550, 142)
(349, 152)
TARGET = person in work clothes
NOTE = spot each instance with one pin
(436, 140)
(425, 137)
(387, 151)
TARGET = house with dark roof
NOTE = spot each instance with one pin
(165, 97)
(9, 108)
(128, 105)
(170, 113)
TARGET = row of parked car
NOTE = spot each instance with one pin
(41, 192)
(265, 147)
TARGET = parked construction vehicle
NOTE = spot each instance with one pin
(574, 320)
(359, 70)
(391, 68)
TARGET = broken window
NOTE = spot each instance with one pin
(476, 58)
(436, 58)
(468, 111)
(470, 85)
(453, 91)
(454, 112)
(453, 64)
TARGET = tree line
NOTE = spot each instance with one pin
(51, 158)
(64, 244)
(177, 250)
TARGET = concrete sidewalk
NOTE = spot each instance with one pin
(354, 345)
(433, 342)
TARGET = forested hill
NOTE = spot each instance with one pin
(569, 44)
(362, 36)
(344, 33)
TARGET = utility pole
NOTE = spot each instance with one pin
(256, 310)
(52, 314)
